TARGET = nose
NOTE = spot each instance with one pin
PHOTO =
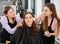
(13, 13)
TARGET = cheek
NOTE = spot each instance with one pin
(47, 13)
(31, 21)
(26, 20)
(8, 15)
(11, 15)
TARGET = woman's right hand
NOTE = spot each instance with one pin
(19, 24)
(40, 17)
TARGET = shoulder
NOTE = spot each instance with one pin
(4, 19)
(19, 30)
(55, 20)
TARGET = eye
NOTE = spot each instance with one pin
(45, 10)
(30, 17)
(26, 17)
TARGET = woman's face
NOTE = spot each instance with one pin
(28, 19)
(47, 11)
(11, 13)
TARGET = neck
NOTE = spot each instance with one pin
(11, 20)
(49, 16)
(29, 25)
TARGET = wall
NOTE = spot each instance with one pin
(57, 4)
(2, 3)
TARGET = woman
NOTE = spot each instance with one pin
(28, 33)
(10, 23)
(49, 23)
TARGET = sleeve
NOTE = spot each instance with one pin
(18, 18)
(6, 26)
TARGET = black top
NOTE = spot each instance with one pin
(5, 35)
(48, 40)
(23, 36)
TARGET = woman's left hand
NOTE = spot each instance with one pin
(47, 34)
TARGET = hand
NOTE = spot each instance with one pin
(42, 16)
(19, 24)
(47, 34)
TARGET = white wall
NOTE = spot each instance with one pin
(2, 3)
(57, 4)
(13, 6)
(38, 6)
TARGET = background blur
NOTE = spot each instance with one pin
(35, 6)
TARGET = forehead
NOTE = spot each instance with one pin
(10, 10)
(46, 8)
(28, 15)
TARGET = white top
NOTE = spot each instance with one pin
(5, 24)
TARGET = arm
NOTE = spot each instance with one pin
(7, 27)
(55, 27)
(18, 18)
(37, 19)
(40, 18)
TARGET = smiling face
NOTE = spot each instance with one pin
(47, 11)
(28, 19)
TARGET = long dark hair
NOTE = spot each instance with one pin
(51, 6)
(34, 28)
(58, 25)
(6, 9)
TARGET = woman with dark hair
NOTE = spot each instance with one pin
(10, 23)
(28, 33)
(49, 23)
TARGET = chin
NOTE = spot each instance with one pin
(29, 24)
